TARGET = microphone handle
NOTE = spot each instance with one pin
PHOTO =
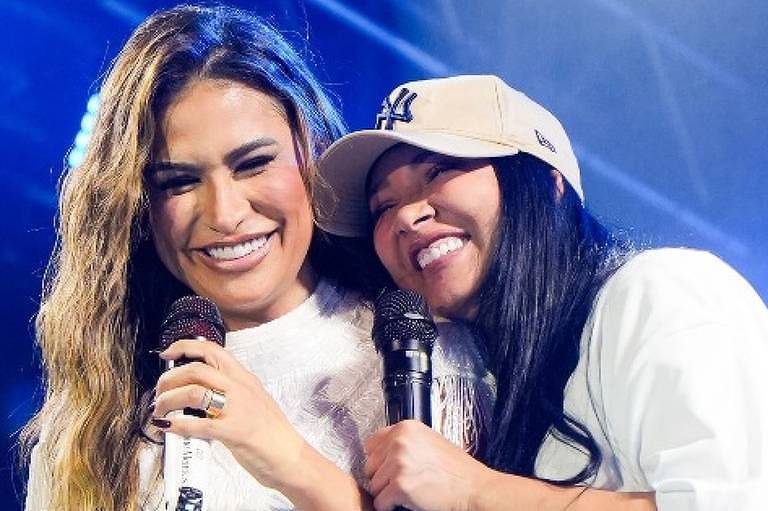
(407, 387)
(408, 397)
(185, 463)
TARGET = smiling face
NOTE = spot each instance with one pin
(434, 222)
(230, 215)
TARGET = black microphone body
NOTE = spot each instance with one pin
(404, 333)
(185, 460)
(407, 383)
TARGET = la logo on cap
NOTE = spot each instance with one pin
(389, 111)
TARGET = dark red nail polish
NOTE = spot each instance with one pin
(160, 423)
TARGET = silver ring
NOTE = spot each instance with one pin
(213, 402)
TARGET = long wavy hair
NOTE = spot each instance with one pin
(105, 289)
(550, 259)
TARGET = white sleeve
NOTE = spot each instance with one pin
(684, 374)
(39, 482)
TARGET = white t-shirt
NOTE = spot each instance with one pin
(319, 364)
(672, 382)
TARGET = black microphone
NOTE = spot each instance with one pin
(404, 333)
(186, 460)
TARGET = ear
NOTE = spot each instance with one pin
(559, 183)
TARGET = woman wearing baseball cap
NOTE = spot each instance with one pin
(625, 379)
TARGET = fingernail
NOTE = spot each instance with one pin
(160, 423)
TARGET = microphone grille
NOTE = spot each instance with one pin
(400, 315)
(190, 317)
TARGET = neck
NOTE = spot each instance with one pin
(290, 297)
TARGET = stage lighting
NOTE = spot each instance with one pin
(77, 153)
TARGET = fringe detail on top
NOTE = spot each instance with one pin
(461, 410)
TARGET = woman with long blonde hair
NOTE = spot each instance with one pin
(198, 179)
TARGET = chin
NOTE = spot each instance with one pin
(453, 303)
(445, 308)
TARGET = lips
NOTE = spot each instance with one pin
(227, 253)
(426, 253)
(223, 251)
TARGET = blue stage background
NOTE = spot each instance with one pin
(665, 101)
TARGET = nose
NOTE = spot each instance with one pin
(410, 216)
(223, 205)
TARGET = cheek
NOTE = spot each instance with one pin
(287, 183)
(385, 250)
(168, 220)
(286, 194)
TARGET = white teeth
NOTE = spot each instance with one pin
(236, 251)
(438, 249)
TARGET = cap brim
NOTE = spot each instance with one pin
(341, 200)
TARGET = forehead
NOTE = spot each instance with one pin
(215, 99)
(212, 114)
(394, 158)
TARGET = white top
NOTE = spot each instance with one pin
(673, 385)
(319, 364)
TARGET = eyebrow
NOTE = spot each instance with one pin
(230, 158)
(372, 184)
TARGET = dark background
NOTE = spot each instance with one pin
(665, 101)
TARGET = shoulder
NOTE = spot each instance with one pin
(340, 305)
(669, 319)
(677, 346)
(457, 351)
(676, 316)
(672, 289)
(463, 389)
(673, 268)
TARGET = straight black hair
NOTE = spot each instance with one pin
(550, 258)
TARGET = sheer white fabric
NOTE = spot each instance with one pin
(319, 364)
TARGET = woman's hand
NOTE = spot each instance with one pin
(251, 424)
(411, 465)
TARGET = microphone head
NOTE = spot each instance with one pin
(402, 317)
(190, 317)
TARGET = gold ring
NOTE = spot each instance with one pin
(213, 402)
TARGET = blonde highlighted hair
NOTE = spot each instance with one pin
(105, 290)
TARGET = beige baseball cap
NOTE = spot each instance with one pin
(472, 116)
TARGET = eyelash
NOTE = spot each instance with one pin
(439, 168)
(432, 174)
(181, 184)
(376, 213)
(255, 163)
(177, 185)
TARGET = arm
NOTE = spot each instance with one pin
(501, 489)
(317, 483)
(411, 465)
(253, 427)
